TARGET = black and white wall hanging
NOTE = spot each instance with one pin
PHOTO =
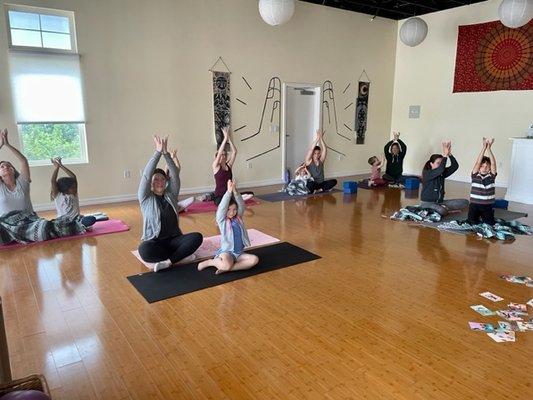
(221, 99)
(361, 109)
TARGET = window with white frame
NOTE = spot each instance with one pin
(46, 84)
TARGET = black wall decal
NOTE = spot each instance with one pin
(329, 110)
(247, 84)
(272, 104)
(240, 101)
(346, 88)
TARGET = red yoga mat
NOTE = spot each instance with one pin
(99, 228)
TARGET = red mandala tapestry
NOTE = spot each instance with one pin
(491, 56)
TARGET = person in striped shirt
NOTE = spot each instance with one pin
(482, 192)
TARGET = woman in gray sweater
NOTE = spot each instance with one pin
(163, 242)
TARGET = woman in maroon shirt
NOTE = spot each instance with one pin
(222, 166)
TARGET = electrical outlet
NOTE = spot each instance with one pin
(339, 157)
(127, 174)
(249, 165)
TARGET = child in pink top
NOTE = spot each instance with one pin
(375, 178)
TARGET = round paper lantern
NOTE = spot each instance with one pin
(276, 12)
(515, 13)
(413, 31)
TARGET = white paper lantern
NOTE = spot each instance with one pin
(515, 13)
(413, 31)
(276, 12)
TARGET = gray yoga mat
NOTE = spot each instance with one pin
(282, 196)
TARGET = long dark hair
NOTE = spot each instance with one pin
(432, 159)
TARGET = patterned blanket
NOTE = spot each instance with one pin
(501, 230)
(296, 188)
(24, 227)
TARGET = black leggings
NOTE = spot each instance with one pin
(218, 199)
(325, 186)
(174, 249)
(481, 213)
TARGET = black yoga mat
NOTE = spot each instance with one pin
(182, 279)
(282, 196)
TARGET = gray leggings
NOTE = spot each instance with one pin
(446, 206)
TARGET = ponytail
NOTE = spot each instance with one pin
(427, 165)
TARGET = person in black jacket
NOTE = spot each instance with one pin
(433, 176)
(395, 152)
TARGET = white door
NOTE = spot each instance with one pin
(302, 119)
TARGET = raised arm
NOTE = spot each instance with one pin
(174, 155)
(477, 164)
(309, 155)
(493, 165)
(403, 147)
(387, 150)
(145, 185)
(54, 191)
(241, 208)
(24, 166)
(323, 146)
(222, 208)
(233, 156)
(221, 149)
(173, 171)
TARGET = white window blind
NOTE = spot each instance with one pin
(46, 88)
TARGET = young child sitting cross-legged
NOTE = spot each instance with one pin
(234, 238)
(375, 177)
(64, 193)
(482, 193)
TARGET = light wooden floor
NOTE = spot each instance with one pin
(384, 313)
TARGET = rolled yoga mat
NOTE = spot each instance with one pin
(182, 279)
(282, 196)
(99, 228)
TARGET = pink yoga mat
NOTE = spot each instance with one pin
(99, 228)
(211, 244)
(208, 206)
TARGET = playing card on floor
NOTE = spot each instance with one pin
(507, 326)
(509, 315)
(491, 296)
(517, 307)
(524, 326)
(481, 309)
(479, 326)
(505, 336)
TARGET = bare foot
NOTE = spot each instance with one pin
(204, 264)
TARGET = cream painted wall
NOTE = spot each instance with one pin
(145, 66)
(424, 76)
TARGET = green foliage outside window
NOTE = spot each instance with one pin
(44, 141)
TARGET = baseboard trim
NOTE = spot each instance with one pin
(92, 201)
